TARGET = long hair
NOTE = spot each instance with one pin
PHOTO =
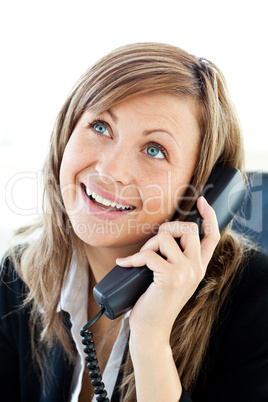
(132, 70)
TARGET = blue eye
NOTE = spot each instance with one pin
(155, 152)
(101, 128)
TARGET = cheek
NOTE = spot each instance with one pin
(157, 195)
(68, 162)
(75, 159)
(157, 199)
(78, 155)
(67, 175)
(161, 198)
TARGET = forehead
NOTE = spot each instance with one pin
(110, 99)
(162, 103)
(161, 108)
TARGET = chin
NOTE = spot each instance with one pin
(108, 234)
(101, 240)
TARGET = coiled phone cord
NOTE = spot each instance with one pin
(91, 359)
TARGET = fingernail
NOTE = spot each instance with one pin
(120, 259)
(203, 205)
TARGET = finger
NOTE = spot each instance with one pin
(187, 241)
(178, 229)
(211, 230)
(147, 257)
(190, 241)
(166, 244)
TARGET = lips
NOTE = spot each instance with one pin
(106, 203)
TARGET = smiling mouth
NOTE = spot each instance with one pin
(105, 204)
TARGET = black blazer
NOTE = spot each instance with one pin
(235, 368)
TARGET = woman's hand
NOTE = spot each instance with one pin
(175, 280)
(176, 277)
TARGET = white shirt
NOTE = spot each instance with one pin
(74, 300)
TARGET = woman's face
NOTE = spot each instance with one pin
(124, 171)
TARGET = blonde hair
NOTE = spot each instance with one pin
(126, 72)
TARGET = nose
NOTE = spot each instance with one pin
(115, 165)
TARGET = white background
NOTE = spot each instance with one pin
(46, 46)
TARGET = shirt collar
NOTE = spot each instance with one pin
(74, 293)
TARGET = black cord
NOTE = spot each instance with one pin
(91, 359)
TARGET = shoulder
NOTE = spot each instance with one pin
(11, 284)
(246, 309)
(14, 318)
(240, 331)
(249, 290)
(252, 278)
(236, 364)
(20, 377)
(12, 294)
(256, 263)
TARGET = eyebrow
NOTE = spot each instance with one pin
(112, 115)
(160, 130)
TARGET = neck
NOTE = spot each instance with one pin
(102, 260)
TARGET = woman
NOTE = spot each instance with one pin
(134, 144)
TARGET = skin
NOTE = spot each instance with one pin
(143, 153)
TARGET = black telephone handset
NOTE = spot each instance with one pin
(119, 290)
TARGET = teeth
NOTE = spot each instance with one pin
(104, 201)
(99, 199)
(88, 192)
